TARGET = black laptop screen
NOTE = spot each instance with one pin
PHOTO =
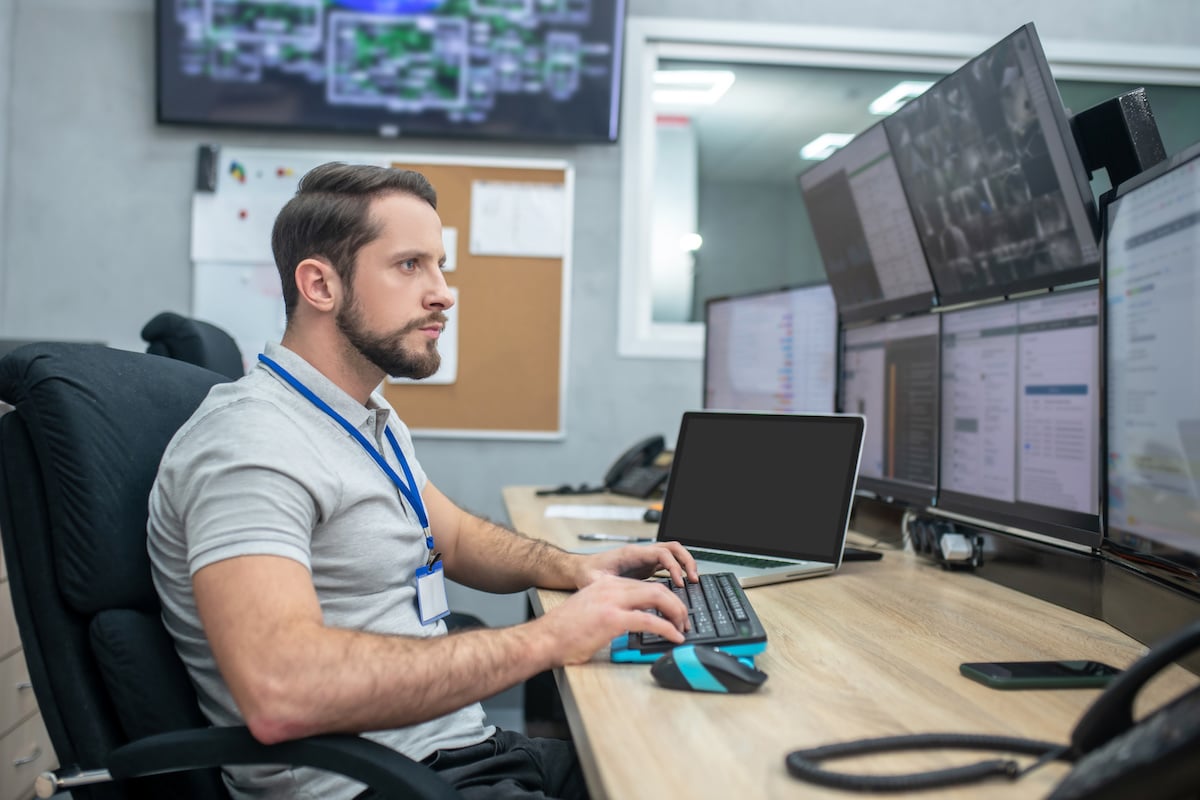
(765, 484)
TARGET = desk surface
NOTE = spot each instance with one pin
(872, 650)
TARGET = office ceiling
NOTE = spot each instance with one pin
(755, 131)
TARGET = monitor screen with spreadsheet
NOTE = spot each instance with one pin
(865, 231)
(771, 351)
(994, 177)
(889, 374)
(1152, 359)
(1020, 419)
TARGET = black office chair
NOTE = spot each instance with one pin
(77, 458)
(196, 342)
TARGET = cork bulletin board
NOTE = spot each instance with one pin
(511, 320)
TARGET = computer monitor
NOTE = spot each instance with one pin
(995, 178)
(1152, 356)
(865, 231)
(1020, 432)
(497, 69)
(771, 351)
(890, 375)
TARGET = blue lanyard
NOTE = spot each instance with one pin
(411, 494)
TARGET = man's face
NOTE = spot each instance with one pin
(391, 312)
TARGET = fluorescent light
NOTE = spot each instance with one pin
(824, 146)
(891, 100)
(691, 87)
(690, 242)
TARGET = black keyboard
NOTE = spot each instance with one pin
(719, 612)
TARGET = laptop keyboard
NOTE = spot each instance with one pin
(743, 561)
(719, 613)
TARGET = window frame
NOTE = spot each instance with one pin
(651, 39)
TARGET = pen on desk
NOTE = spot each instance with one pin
(613, 537)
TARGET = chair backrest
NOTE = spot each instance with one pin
(78, 456)
(194, 341)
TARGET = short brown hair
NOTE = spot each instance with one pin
(329, 218)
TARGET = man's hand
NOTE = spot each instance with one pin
(608, 607)
(639, 561)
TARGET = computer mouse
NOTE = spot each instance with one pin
(652, 515)
(706, 669)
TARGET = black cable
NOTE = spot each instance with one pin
(805, 764)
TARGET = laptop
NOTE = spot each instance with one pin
(764, 496)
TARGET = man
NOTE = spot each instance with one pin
(297, 544)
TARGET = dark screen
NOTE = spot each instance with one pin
(501, 69)
(762, 483)
(994, 177)
(1055, 669)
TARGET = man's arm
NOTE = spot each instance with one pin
(292, 676)
(486, 556)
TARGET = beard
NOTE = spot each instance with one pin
(387, 351)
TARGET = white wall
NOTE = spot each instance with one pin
(673, 210)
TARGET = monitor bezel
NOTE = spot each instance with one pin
(525, 135)
(1156, 563)
(884, 310)
(709, 302)
(1071, 526)
(891, 490)
(1058, 124)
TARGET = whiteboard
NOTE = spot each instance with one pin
(244, 299)
(233, 222)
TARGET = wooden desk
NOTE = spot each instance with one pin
(872, 650)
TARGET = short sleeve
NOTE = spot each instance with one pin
(247, 482)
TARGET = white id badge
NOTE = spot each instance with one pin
(432, 604)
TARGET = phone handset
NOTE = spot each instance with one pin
(634, 473)
(640, 454)
(1155, 757)
(1112, 713)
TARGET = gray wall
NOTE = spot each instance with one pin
(6, 63)
(94, 201)
(756, 237)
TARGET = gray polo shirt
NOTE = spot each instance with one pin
(259, 470)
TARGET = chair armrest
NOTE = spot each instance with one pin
(387, 771)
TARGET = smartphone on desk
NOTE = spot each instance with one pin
(1040, 674)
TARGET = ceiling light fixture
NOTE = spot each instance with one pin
(690, 242)
(824, 146)
(891, 100)
(690, 87)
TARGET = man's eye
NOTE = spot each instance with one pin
(409, 264)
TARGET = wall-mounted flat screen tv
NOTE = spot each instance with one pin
(542, 70)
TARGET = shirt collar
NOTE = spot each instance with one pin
(358, 415)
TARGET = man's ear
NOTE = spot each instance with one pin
(318, 284)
